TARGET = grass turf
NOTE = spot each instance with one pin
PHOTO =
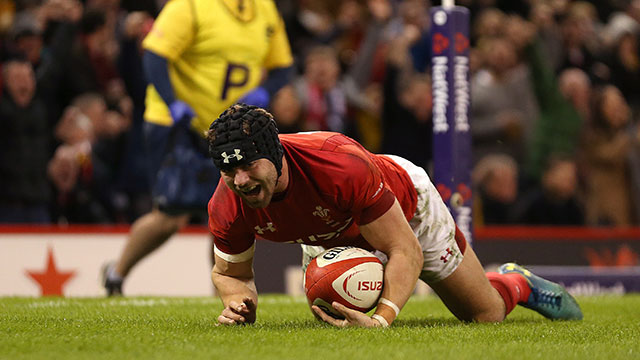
(183, 328)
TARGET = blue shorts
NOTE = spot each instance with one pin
(182, 176)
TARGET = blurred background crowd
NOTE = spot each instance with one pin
(555, 102)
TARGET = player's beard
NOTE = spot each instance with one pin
(263, 197)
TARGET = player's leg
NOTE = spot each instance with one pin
(450, 267)
(472, 295)
(459, 279)
(454, 272)
(149, 231)
(469, 295)
(147, 234)
(172, 210)
(545, 297)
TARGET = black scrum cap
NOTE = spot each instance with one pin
(242, 134)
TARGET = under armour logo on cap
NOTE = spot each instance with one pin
(237, 156)
(247, 130)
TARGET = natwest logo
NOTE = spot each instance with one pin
(462, 43)
(461, 90)
(464, 191)
(440, 94)
(440, 43)
(444, 191)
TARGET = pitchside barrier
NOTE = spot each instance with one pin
(54, 261)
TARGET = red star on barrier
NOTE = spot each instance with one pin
(51, 281)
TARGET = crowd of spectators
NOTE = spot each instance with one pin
(554, 116)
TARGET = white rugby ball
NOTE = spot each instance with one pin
(349, 275)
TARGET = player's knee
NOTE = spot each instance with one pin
(487, 310)
(493, 310)
(488, 316)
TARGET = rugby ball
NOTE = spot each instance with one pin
(348, 275)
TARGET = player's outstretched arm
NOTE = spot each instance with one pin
(237, 289)
(392, 235)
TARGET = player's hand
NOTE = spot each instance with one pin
(351, 317)
(239, 313)
(258, 97)
(181, 113)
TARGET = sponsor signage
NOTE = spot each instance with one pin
(451, 102)
(67, 262)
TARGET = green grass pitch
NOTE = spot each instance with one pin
(183, 328)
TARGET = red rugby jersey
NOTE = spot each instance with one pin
(334, 185)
